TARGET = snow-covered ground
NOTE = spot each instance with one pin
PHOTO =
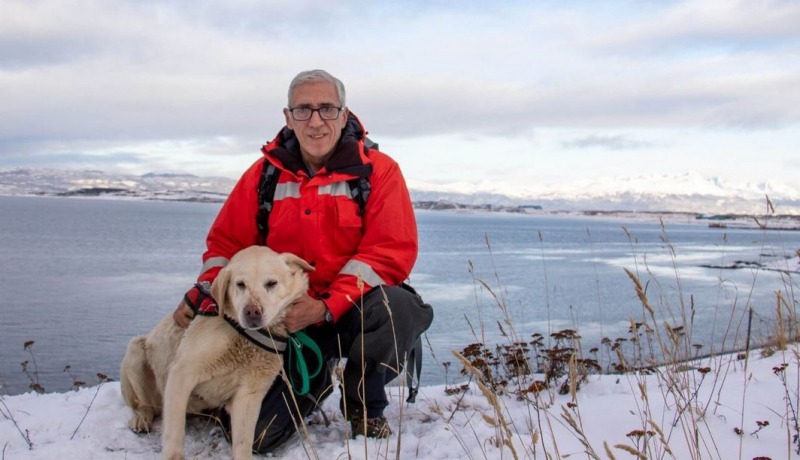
(791, 265)
(734, 409)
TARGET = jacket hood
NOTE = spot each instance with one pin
(349, 155)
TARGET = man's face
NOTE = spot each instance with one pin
(317, 137)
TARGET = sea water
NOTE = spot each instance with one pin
(80, 277)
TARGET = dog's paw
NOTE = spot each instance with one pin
(141, 423)
(173, 456)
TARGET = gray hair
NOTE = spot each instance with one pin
(311, 76)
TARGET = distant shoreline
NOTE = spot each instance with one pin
(732, 221)
(787, 222)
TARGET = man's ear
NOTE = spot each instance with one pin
(289, 120)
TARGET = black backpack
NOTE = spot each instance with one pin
(359, 191)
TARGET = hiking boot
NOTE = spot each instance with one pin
(377, 427)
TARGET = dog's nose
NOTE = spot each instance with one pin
(252, 312)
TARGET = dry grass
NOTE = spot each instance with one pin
(656, 347)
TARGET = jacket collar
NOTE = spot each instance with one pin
(348, 157)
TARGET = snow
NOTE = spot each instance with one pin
(665, 192)
(751, 395)
(687, 192)
(791, 265)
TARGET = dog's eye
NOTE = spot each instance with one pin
(270, 284)
(240, 284)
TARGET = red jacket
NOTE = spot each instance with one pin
(315, 218)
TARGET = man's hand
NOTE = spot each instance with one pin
(198, 298)
(304, 312)
(183, 315)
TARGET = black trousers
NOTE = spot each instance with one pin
(376, 337)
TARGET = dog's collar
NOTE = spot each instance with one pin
(260, 337)
(278, 345)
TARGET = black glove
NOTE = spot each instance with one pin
(199, 299)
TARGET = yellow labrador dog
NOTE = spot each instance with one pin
(212, 362)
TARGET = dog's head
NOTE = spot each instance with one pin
(258, 284)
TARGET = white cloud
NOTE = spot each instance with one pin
(734, 25)
(175, 83)
(610, 142)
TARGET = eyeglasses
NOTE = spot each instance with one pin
(305, 113)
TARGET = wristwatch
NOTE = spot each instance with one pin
(205, 287)
(328, 316)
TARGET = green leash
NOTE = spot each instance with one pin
(297, 342)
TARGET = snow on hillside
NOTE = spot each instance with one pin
(23, 181)
(688, 192)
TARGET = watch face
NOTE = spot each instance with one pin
(328, 316)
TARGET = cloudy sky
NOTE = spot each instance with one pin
(519, 93)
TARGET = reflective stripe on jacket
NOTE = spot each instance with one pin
(315, 218)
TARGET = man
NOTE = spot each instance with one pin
(357, 306)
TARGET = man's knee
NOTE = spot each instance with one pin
(409, 312)
(397, 315)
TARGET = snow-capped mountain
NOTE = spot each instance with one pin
(185, 187)
(689, 192)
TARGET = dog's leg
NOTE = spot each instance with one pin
(244, 409)
(137, 384)
(181, 380)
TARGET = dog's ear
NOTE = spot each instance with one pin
(219, 289)
(292, 259)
